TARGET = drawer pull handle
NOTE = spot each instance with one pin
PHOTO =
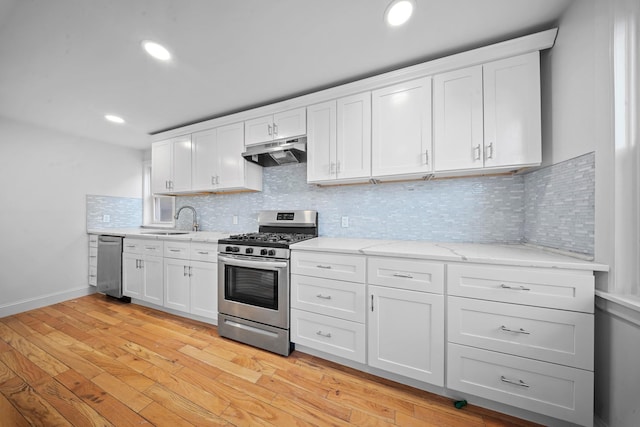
(151, 248)
(323, 266)
(323, 296)
(174, 250)
(131, 246)
(520, 331)
(403, 275)
(327, 335)
(519, 383)
(203, 253)
(515, 288)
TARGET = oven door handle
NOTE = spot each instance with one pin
(269, 264)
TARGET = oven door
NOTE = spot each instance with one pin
(255, 289)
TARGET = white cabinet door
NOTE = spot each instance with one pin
(457, 119)
(321, 142)
(161, 166)
(153, 283)
(181, 164)
(406, 333)
(230, 160)
(258, 130)
(290, 123)
(353, 145)
(512, 124)
(205, 165)
(176, 284)
(204, 289)
(132, 276)
(401, 136)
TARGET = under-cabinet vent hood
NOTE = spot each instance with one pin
(274, 153)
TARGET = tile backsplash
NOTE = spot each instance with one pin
(121, 212)
(552, 206)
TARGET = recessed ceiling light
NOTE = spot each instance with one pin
(114, 119)
(156, 50)
(399, 12)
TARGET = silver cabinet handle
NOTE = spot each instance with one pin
(141, 263)
(184, 270)
(275, 129)
(131, 246)
(515, 288)
(92, 275)
(426, 156)
(476, 152)
(213, 180)
(190, 272)
(327, 335)
(150, 248)
(519, 331)
(371, 302)
(403, 275)
(203, 253)
(328, 267)
(137, 263)
(338, 166)
(519, 383)
(174, 250)
(323, 296)
(269, 130)
(489, 151)
(93, 256)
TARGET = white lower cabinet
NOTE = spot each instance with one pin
(547, 388)
(142, 273)
(191, 278)
(328, 303)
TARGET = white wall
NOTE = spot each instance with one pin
(45, 178)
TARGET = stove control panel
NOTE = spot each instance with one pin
(253, 251)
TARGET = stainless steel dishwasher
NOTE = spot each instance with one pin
(109, 269)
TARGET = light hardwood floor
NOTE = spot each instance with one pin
(94, 361)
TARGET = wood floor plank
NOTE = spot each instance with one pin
(106, 405)
(76, 411)
(221, 363)
(35, 409)
(123, 364)
(48, 363)
(121, 391)
(9, 415)
(183, 407)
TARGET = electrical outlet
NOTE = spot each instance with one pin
(106, 218)
(235, 220)
(345, 221)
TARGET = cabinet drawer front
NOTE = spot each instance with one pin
(207, 252)
(152, 247)
(132, 246)
(556, 336)
(410, 274)
(344, 300)
(554, 390)
(178, 250)
(334, 336)
(350, 268)
(93, 275)
(93, 240)
(542, 287)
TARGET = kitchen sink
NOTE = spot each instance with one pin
(165, 233)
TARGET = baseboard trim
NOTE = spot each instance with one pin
(44, 300)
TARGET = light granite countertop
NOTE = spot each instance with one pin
(515, 255)
(195, 236)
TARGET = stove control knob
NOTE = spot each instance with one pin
(263, 251)
(248, 251)
(235, 249)
(228, 249)
(272, 252)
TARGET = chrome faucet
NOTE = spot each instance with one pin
(195, 216)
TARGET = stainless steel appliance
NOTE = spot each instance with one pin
(253, 279)
(109, 268)
(274, 153)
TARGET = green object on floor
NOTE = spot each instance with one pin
(459, 404)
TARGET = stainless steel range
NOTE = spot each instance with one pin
(254, 282)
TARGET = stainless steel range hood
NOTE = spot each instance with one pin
(274, 153)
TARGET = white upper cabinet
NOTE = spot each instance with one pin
(218, 164)
(277, 126)
(339, 140)
(401, 135)
(488, 116)
(171, 165)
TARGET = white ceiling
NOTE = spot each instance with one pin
(66, 63)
